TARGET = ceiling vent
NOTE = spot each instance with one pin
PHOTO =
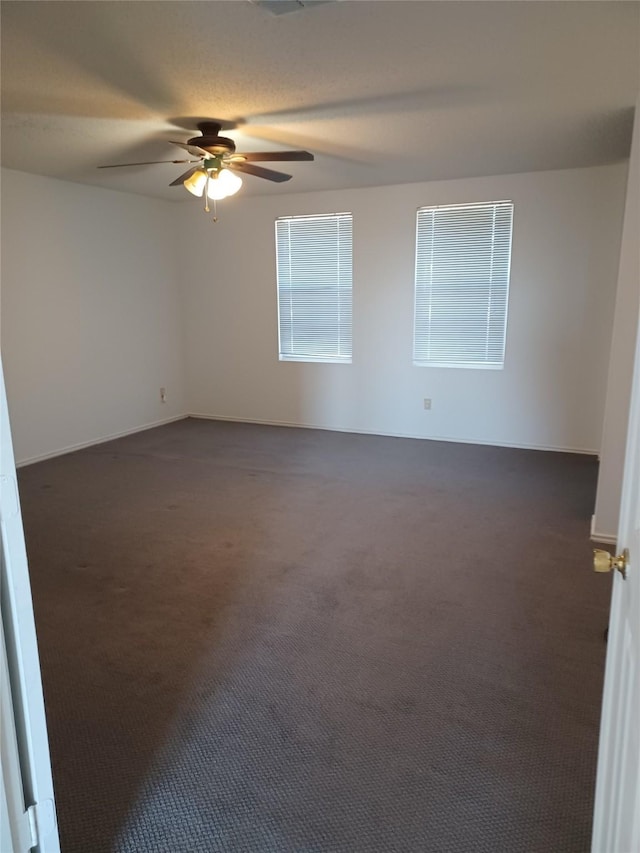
(285, 7)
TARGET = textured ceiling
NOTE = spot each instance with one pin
(381, 92)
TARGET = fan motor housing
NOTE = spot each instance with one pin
(214, 144)
(210, 139)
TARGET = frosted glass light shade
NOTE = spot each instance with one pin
(230, 181)
(195, 184)
(216, 188)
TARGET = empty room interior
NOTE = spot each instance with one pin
(318, 323)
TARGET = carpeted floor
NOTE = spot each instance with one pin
(272, 640)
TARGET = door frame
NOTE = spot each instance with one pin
(26, 779)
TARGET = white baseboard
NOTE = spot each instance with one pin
(596, 536)
(82, 445)
(20, 463)
(582, 450)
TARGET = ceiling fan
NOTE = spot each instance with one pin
(217, 163)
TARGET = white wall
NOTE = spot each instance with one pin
(92, 302)
(605, 522)
(91, 313)
(567, 227)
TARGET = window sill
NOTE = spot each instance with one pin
(459, 365)
(314, 360)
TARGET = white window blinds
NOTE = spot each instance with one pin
(314, 264)
(463, 256)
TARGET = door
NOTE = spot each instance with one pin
(616, 827)
(27, 811)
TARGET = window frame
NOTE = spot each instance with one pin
(475, 364)
(310, 358)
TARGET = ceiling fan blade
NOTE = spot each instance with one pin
(336, 149)
(184, 176)
(255, 156)
(146, 163)
(192, 149)
(259, 172)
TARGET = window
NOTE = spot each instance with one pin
(463, 255)
(313, 256)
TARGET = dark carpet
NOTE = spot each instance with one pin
(273, 640)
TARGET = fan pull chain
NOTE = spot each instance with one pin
(206, 200)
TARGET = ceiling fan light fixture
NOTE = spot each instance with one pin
(215, 177)
(195, 183)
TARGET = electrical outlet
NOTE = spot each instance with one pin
(163, 395)
(427, 402)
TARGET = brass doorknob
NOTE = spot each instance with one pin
(603, 561)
